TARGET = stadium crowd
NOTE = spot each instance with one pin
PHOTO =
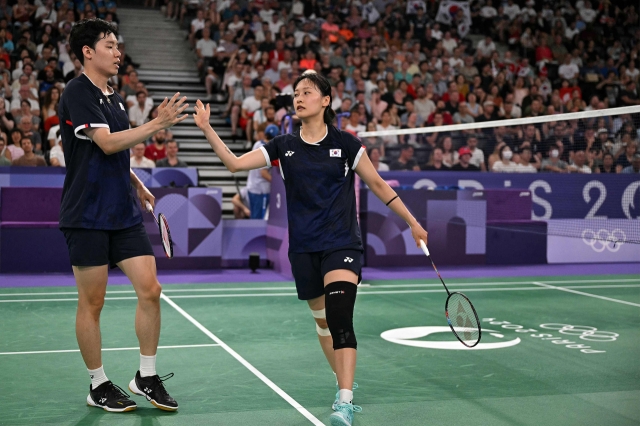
(409, 64)
(393, 65)
(35, 65)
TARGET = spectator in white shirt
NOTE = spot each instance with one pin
(525, 165)
(511, 10)
(354, 125)
(568, 70)
(505, 164)
(571, 31)
(587, 14)
(579, 161)
(486, 47)
(56, 155)
(139, 112)
(138, 160)
(275, 23)
(449, 43)
(205, 48)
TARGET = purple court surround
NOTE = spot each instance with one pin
(268, 275)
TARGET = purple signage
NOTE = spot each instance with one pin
(194, 216)
(278, 228)
(53, 177)
(457, 225)
(554, 196)
(596, 241)
(240, 238)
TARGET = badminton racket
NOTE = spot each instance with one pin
(461, 315)
(163, 226)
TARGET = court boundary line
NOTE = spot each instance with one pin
(364, 292)
(60, 351)
(597, 296)
(295, 404)
(368, 285)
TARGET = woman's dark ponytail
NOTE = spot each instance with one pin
(324, 87)
(329, 114)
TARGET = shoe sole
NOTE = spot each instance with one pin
(338, 421)
(91, 403)
(133, 388)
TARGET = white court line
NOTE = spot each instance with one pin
(196, 290)
(207, 345)
(568, 289)
(361, 292)
(409, 285)
(244, 362)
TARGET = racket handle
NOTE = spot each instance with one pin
(424, 248)
(147, 204)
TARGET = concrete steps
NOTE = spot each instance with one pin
(167, 66)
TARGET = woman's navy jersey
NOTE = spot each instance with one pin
(319, 182)
(97, 188)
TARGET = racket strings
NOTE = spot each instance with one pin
(463, 319)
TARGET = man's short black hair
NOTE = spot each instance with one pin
(87, 33)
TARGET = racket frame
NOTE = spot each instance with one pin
(163, 218)
(446, 312)
(449, 294)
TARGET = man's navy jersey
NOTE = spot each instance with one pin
(97, 188)
(319, 182)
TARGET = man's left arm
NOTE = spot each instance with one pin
(142, 191)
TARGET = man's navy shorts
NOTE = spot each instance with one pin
(96, 247)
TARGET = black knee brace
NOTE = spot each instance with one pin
(340, 298)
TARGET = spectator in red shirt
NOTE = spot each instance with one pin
(156, 151)
(543, 52)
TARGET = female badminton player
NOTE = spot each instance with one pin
(317, 164)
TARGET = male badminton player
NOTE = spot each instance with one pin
(317, 164)
(99, 216)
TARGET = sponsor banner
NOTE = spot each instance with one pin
(554, 196)
(595, 241)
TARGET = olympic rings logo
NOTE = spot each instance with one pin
(604, 240)
(583, 332)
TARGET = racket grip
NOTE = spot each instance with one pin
(424, 248)
(147, 204)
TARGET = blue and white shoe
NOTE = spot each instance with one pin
(344, 414)
(337, 401)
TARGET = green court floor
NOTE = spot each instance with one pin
(554, 351)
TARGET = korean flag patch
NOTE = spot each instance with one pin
(335, 153)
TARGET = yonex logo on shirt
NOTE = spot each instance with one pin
(348, 259)
(288, 154)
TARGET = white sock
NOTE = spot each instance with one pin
(346, 396)
(97, 377)
(147, 365)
